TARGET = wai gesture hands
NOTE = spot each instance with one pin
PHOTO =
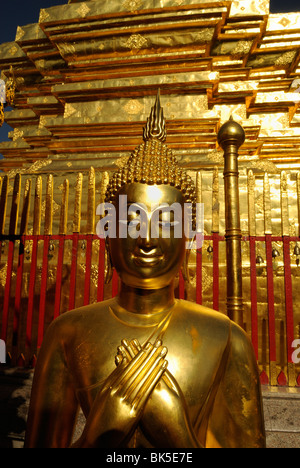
(118, 407)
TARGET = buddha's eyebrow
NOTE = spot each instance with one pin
(137, 206)
(165, 207)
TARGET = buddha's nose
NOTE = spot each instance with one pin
(147, 242)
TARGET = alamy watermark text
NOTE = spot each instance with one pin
(136, 220)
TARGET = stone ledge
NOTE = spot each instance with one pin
(282, 416)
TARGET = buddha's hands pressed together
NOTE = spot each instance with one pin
(118, 407)
(165, 420)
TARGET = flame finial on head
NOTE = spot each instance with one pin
(156, 125)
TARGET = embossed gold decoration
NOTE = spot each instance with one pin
(209, 63)
(136, 41)
(10, 89)
(132, 5)
(83, 10)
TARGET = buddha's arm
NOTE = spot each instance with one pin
(236, 419)
(119, 405)
(53, 406)
(165, 419)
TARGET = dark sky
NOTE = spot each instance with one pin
(16, 13)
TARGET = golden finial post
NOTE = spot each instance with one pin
(63, 224)
(14, 214)
(3, 203)
(77, 205)
(37, 206)
(26, 207)
(91, 202)
(230, 137)
(49, 206)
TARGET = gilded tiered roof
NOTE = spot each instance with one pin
(87, 74)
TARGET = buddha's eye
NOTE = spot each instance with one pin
(166, 220)
(130, 222)
(134, 222)
(168, 224)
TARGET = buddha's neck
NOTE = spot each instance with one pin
(143, 301)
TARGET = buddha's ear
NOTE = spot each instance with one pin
(185, 266)
(109, 268)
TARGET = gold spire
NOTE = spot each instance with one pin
(156, 125)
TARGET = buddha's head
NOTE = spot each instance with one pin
(152, 253)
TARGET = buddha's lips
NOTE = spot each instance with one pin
(147, 260)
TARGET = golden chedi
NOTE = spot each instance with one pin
(148, 370)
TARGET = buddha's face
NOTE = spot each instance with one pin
(152, 252)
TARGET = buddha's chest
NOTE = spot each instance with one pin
(192, 370)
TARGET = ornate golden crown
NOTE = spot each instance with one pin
(152, 162)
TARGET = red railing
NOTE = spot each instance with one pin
(26, 316)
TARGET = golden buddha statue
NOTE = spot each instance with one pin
(146, 369)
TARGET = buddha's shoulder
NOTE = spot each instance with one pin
(215, 324)
(84, 317)
(199, 314)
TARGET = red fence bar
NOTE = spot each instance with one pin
(63, 226)
(271, 308)
(73, 271)
(199, 295)
(32, 277)
(19, 282)
(59, 272)
(9, 270)
(288, 297)
(101, 271)
(253, 280)
(87, 283)
(43, 292)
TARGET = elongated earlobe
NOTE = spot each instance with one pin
(185, 267)
(109, 269)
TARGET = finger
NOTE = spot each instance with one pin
(132, 366)
(149, 385)
(135, 346)
(123, 351)
(157, 344)
(143, 372)
(133, 387)
(115, 375)
(118, 359)
(170, 381)
(130, 348)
